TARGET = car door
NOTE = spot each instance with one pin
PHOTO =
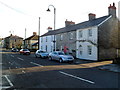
(57, 56)
(54, 56)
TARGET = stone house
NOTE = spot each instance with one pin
(13, 41)
(95, 39)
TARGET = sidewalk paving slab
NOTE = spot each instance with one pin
(110, 67)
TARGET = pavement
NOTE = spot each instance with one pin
(109, 67)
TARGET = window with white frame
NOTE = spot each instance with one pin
(81, 49)
(89, 32)
(51, 48)
(46, 48)
(61, 48)
(71, 35)
(89, 50)
(46, 39)
(41, 39)
(51, 38)
(80, 34)
(61, 37)
(41, 48)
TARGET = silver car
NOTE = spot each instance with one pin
(42, 54)
(60, 56)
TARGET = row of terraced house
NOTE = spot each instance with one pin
(95, 39)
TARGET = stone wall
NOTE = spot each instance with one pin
(70, 43)
(108, 39)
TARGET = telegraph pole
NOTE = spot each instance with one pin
(39, 34)
(24, 39)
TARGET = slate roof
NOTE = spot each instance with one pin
(14, 37)
(81, 25)
(34, 44)
(33, 37)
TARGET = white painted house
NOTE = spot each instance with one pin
(46, 42)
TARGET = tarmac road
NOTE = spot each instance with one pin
(26, 71)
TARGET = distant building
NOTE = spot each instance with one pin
(31, 42)
(1, 41)
(95, 39)
(13, 41)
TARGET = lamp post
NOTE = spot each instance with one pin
(54, 23)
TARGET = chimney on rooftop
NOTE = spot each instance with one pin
(34, 33)
(49, 29)
(91, 16)
(68, 23)
(112, 10)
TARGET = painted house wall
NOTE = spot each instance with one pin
(85, 41)
(46, 43)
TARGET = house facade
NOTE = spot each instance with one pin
(46, 41)
(13, 41)
(66, 40)
(30, 42)
(95, 39)
(86, 43)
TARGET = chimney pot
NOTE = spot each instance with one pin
(112, 10)
(68, 23)
(34, 33)
(49, 28)
(113, 4)
(91, 16)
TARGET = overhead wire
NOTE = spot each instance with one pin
(16, 10)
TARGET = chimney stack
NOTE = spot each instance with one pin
(112, 10)
(49, 29)
(68, 23)
(34, 33)
(91, 16)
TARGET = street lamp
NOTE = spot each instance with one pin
(54, 22)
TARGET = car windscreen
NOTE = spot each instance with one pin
(61, 53)
(25, 50)
(43, 52)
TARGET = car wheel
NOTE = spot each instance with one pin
(40, 56)
(60, 60)
(36, 56)
(50, 58)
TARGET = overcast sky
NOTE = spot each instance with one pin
(16, 15)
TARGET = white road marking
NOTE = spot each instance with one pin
(11, 55)
(36, 64)
(77, 77)
(20, 59)
(8, 80)
(3, 87)
(23, 71)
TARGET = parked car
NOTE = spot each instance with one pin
(14, 50)
(60, 56)
(25, 51)
(42, 54)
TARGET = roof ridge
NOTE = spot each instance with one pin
(81, 25)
